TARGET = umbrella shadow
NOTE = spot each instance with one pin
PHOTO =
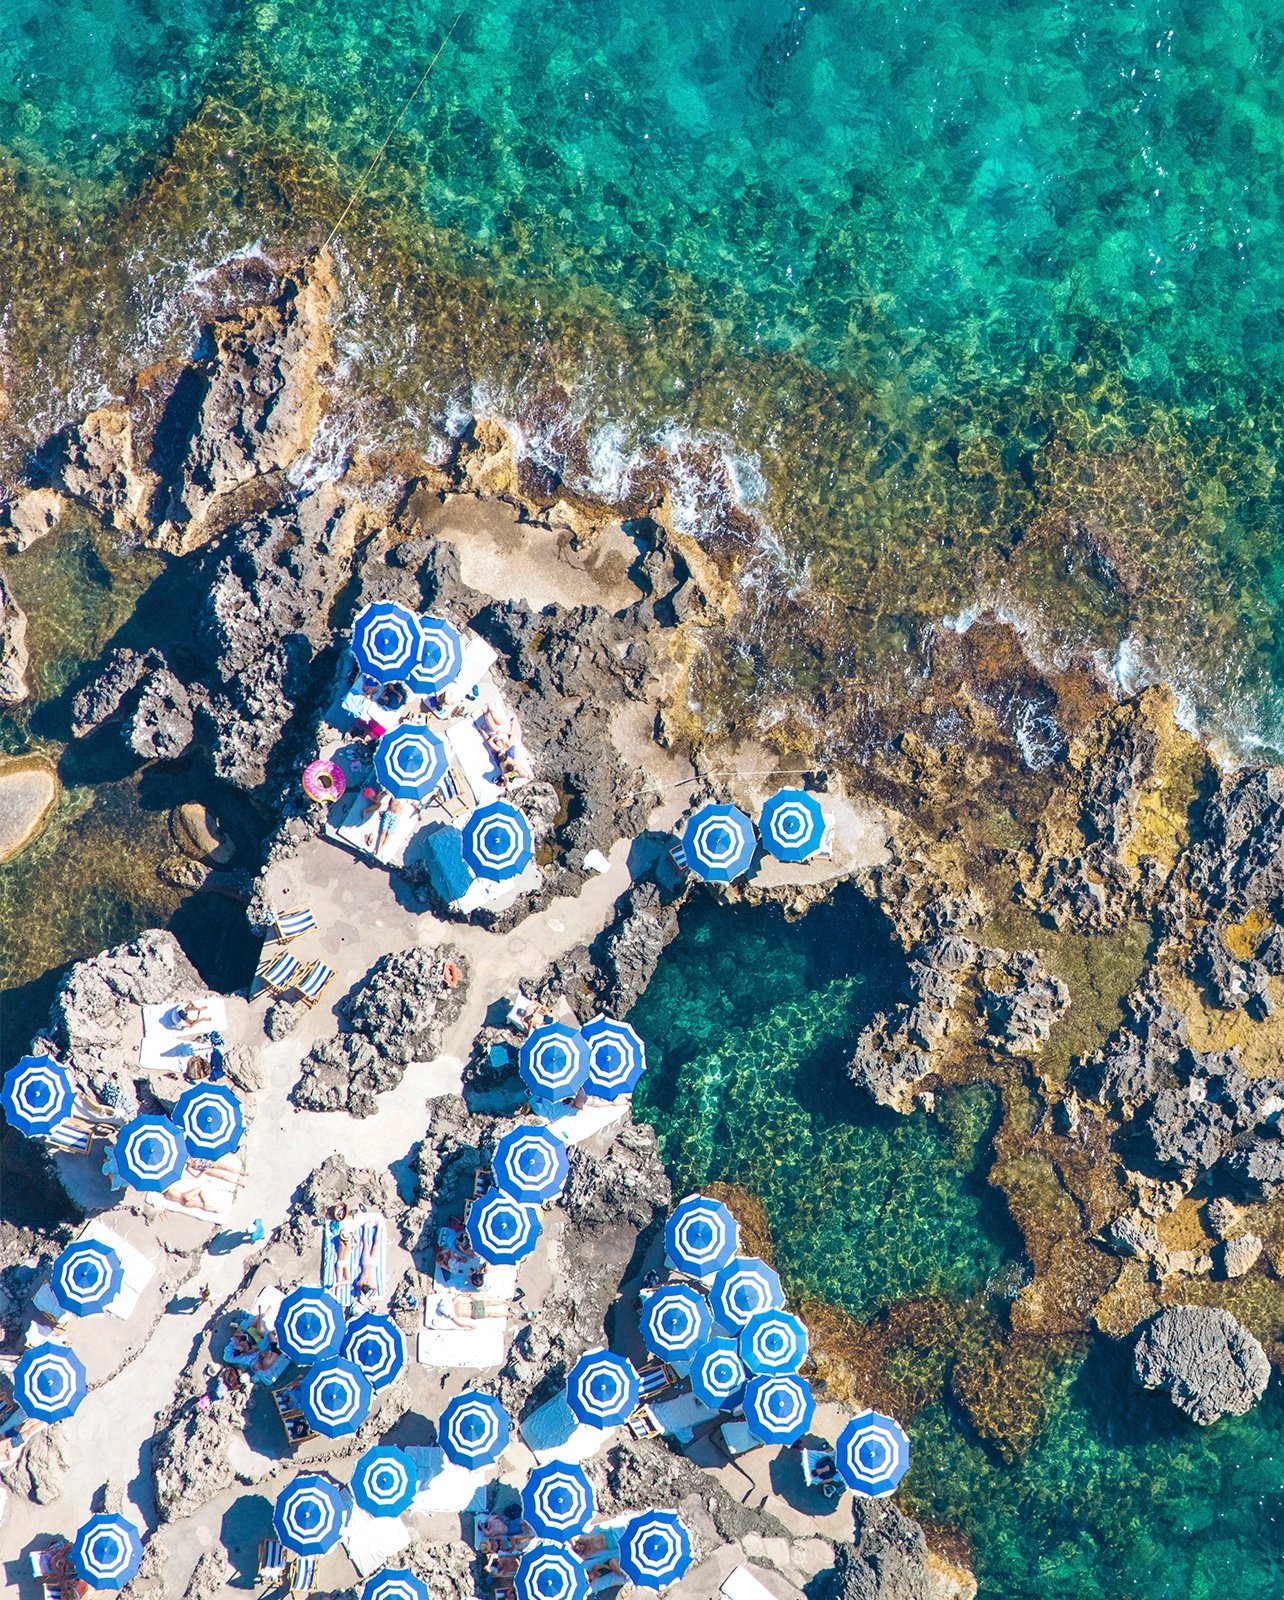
(787, 1482)
(246, 1522)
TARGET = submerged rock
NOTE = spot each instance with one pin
(1209, 1364)
(14, 658)
(28, 793)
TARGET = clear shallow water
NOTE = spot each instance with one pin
(969, 303)
(748, 1022)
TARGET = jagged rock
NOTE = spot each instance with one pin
(888, 1064)
(636, 1474)
(243, 1067)
(1224, 1217)
(451, 1144)
(199, 833)
(252, 403)
(96, 1003)
(96, 465)
(1139, 1060)
(14, 658)
(1130, 1235)
(1270, 953)
(445, 1565)
(41, 1469)
(280, 1020)
(209, 1575)
(1237, 864)
(1187, 1134)
(160, 727)
(190, 1460)
(32, 516)
(403, 1005)
(1207, 1362)
(1021, 1001)
(627, 1185)
(102, 698)
(887, 1561)
(359, 1188)
(1239, 1255)
(1256, 1169)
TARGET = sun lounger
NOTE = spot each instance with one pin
(682, 1415)
(642, 1424)
(293, 1421)
(678, 856)
(293, 924)
(279, 975)
(271, 1561)
(831, 1486)
(312, 982)
(453, 794)
(301, 1575)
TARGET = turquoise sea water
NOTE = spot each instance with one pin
(748, 1023)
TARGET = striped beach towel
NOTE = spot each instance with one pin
(367, 1249)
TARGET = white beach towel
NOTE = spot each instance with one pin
(367, 1232)
(475, 1349)
(167, 1045)
(444, 1486)
(554, 1434)
(218, 1185)
(371, 1542)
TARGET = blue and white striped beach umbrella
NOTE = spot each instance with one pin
(701, 1236)
(718, 1375)
(37, 1094)
(779, 1407)
(440, 659)
(616, 1057)
(603, 1389)
(474, 1430)
(335, 1397)
(773, 1341)
(550, 1572)
(377, 1345)
(503, 1231)
(396, 1583)
(792, 825)
(384, 1482)
(553, 1061)
(211, 1120)
(49, 1382)
(309, 1515)
(410, 762)
(498, 842)
(309, 1325)
(741, 1289)
(386, 641)
(107, 1551)
(718, 842)
(655, 1549)
(531, 1164)
(676, 1321)
(150, 1153)
(558, 1501)
(87, 1277)
(873, 1454)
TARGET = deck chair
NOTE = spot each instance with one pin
(656, 1376)
(678, 856)
(292, 924)
(453, 793)
(280, 974)
(643, 1424)
(301, 1575)
(312, 982)
(830, 1487)
(271, 1561)
(483, 1179)
(72, 1138)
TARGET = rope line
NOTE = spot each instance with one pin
(401, 117)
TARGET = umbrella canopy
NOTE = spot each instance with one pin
(655, 1549)
(548, 1572)
(377, 1346)
(211, 1120)
(37, 1095)
(554, 1061)
(718, 842)
(779, 1408)
(309, 1325)
(718, 1375)
(603, 1389)
(385, 1481)
(676, 1321)
(701, 1236)
(616, 1057)
(474, 1430)
(498, 842)
(386, 641)
(49, 1382)
(410, 762)
(396, 1583)
(773, 1341)
(87, 1277)
(108, 1551)
(742, 1288)
(792, 825)
(558, 1501)
(873, 1454)
(531, 1164)
(308, 1515)
(441, 656)
(503, 1231)
(150, 1153)
(335, 1397)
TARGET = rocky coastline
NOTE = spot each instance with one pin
(1093, 923)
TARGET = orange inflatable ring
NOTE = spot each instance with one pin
(450, 975)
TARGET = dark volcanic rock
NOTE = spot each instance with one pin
(887, 1561)
(1187, 1134)
(105, 695)
(97, 1001)
(626, 1185)
(1256, 1169)
(160, 727)
(1021, 1000)
(1140, 1059)
(628, 952)
(1208, 1363)
(1237, 863)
